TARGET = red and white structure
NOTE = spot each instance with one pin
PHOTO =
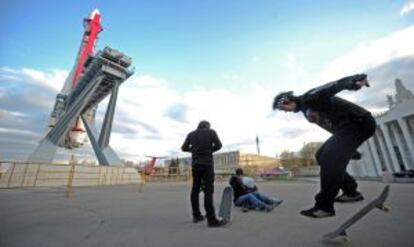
(77, 135)
(93, 77)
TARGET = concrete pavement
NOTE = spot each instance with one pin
(160, 216)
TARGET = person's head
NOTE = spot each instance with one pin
(285, 101)
(239, 172)
(203, 125)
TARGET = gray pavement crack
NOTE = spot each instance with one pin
(90, 234)
(94, 231)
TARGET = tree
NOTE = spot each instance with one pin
(173, 167)
(308, 152)
(287, 158)
(286, 154)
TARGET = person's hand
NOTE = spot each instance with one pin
(362, 83)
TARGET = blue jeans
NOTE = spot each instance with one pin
(254, 200)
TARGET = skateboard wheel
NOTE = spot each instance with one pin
(338, 239)
(343, 237)
(386, 208)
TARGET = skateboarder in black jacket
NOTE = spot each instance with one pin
(202, 143)
(350, 126)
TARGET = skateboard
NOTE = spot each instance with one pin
(226, 204)
(340, 233)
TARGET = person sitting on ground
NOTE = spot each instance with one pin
(246, 194)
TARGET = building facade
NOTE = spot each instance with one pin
(392, 147)
(227, 162)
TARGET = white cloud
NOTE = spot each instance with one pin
(19, 132)
(368, 55)
(295, 68)
(145, 126)
(237, 117)
(6, 113)
(52, 80)
(232, 76)
(407, 7)
(256, 59)
(372, 57)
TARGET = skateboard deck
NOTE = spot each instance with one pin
(226, 204)
(339, 234)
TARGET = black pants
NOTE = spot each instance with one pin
(333, 157)
(203, 176)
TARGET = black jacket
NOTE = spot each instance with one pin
(239, 189)
(321, 106)
(202, 143)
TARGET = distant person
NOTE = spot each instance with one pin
(202, 143)
(350, 126)
(246, 194)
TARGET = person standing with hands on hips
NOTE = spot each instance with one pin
(202, 143)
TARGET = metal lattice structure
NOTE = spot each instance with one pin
(104, 73)
(93, 78)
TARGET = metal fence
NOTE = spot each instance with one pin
(24, 174)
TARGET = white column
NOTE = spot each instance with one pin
(368, 161)
(387, 159)
(408, 139)
(401, 147)
(390, 147)
(372, 149)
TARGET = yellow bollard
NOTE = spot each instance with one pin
(69, 189)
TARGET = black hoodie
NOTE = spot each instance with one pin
(202, 143)
(321, 106)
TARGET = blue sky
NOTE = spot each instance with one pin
(191, 42)
(191, 54)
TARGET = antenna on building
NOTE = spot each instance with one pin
(257, 144)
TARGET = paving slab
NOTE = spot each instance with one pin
(160, 216)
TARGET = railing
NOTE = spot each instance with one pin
(24, 174)
(167, 174)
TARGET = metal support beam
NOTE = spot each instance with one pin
(47, 147)
(106, 156)
(109, 117)
(74, 110)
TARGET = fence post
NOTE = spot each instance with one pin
(37, 174)
(99, 176)
(142, 183)
(11, 175)
(177, 175)
(69, 189)
(104, 176)
(122, 176)
(24, 174)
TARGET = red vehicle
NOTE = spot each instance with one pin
(275, 172)
(148, 169)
